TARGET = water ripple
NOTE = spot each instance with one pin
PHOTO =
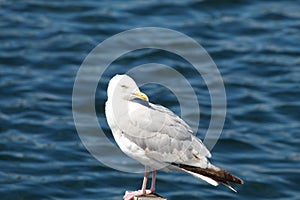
(255, 45)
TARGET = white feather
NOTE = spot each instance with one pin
(205, 178)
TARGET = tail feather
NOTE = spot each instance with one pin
(212, 175)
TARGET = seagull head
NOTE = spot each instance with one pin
(124, 87)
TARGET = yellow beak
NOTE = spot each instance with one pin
(141, 96)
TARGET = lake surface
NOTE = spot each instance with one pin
(255, 44)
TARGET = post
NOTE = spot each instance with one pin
(150, 197)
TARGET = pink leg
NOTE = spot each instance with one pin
(143, 191)
(153, 183)
(145, 180)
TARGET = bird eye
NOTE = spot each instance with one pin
(124, 86)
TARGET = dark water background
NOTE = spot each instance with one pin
(255, 44)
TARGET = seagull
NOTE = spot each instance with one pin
(156, 137)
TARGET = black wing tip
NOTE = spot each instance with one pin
(230, 178)
(219, 175)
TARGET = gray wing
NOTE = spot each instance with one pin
(165, 137)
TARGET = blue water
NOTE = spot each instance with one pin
(255, 44)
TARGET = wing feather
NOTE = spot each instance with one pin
(165, 137)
